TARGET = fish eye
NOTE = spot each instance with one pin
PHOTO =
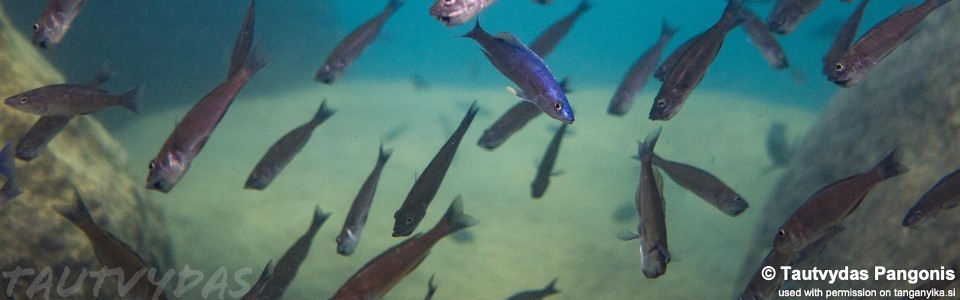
(781, 232)
(661, 103)
(23, 100)
(36, 26)
(151, 166)
(558, 106)
(919, 213)
(408, 220)
(448, 2)
(839, 67)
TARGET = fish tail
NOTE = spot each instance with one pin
(130, 99)
(476, 32)
(890, 165)
(474, 108)
(384, 154)
(941, 2)
(77, 213)
(323, 113)
(256, 60)
(455, 219)
(551, 287)
(584, 6)
(731, 14)
(394, 4)
(318, 218)
(666, 30)
(646, 147)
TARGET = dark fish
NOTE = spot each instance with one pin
(10, 188)
(705, 185)
(431, 288)
(509, 123)
(638, 74)
(47, 127)
(843, 40)
(55, 21)
(113, 253)
(652, 228)
(283, 151)
(456, 12)
(830, 205)
(71, 99)
(763, 39)
(527, 70)
(550, 38)
(381, 273)
(878, 42)
(357, 217)
(244, 41)
(787, 14)
(289, 263)
(943, 195)
(545, 170)
(777, 146)
(671, 61)
(414, 207)
(760, 288)
(550, 289)
(254, 292)
(693, 64)
(353, 45)
(543, 2)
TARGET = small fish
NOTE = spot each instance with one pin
(671, 61)
(763, 39)
(693, 64)
(705, 185)
(830, 205)
(787, 14)
(843, 40)
(431, 288)
(254, 292)
(420, 83)
(545, 170)
(357, 217)
(71, 99)
(878, 42)
(381, 273)
(945, 194)
(519, 64)
(353, 45)
(777, 147)
(652, 228)
(285, 149)
(550, 38)
(10, 188)
(47, 127)
(543, 2)
(456, 12)
(55, 21)
(550, 289)
(289, 263)
(112, 252)
(638, 74)
(244, 41)
(760, 288)
(509, 123)
(414, 207)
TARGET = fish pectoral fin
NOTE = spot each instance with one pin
(517, 93)
(625, 235)
(556, 173)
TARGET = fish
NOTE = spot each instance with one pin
(787, 14)
(760, 288)
(519, 64)
(455, 12)
(55, 22)
(289, 263)
(874, 45)
(414, 207)
(381, 273)
(192, 132)
(47, 127)
(543, 2)
(671, 61)
(353, 45)
(244, 41)
(764, 40)
(284, 150)
(828, 206)
(431, 288)
(844, 38)
(652, 228)
(71, 99)
(550, 38)
(10, 189)
(638, 74)
(703, 184)
(550, 289)
(777, 147)
(945, 194)
(693, 64)
(509, 123)
(545, 170)
(357, 217)
(254, 292)
(112, 252)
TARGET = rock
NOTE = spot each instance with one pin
(911, 100)
(83, 155)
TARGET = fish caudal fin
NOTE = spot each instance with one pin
(76, 213)
(646, 147)
(323, 113)
(476, 32)
(552, 287)
(130, 99)
(256, 60)
(394, 4)
(890, 166)
(455, 219)
(584, 6)
(384, 154)
(667, 30)
(319, 217)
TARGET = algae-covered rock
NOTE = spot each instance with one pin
(911, 100)
(33, 236)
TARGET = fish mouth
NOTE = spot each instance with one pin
(448, 18)
(159, 185)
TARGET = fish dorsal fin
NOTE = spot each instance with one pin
(509, 38)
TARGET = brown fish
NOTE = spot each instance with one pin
(71, 99)
(456, 12)
(671, 61)
(705, 185)
(760, 288)
(763, 40)
(830, 205)
(55, 21)
(114, 253)
(284, 150)
(787, 14)
(353, 45)
(638, 74)
(844, 38)
(945, 194)
(509, 123)
(383, 272)
(878, 42)
(550, 38)
(289, 263)
(244, 42)
(652, 228)
(693, 64)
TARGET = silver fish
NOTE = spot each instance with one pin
(703, 184)
(71, 100)
(763, 39)
(652, 228)
(353, 45)
(945, 194)
(284, 150)
(55, 21)
(357, 217)
(509, 123)
(638, 74)
(456, 12)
